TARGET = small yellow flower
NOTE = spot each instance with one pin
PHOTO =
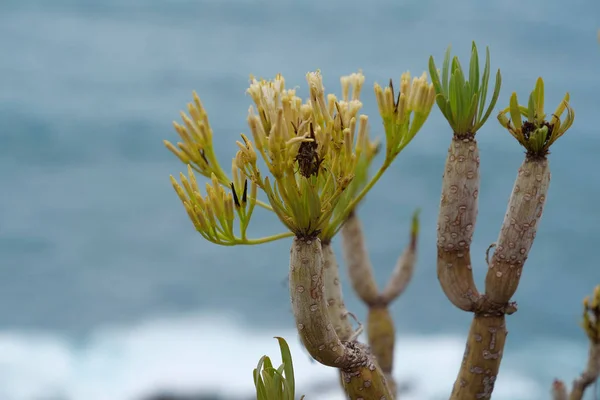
(313, 150)
(415, 99)
(197, 145)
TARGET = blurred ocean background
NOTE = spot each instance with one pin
(108, 293)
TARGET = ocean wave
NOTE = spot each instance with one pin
(212, 355)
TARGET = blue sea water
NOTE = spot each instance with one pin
(107, 292)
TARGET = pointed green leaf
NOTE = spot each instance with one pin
(484, 86)
(473, 110)
(267, 375)
(446, 72)
(531, 115)
(466, 97)
(515, 114)
(454, 106)
(286, 358)
(267, 363)
(539, 89)
(258, 382)
(474, 70)
(444, 106)
(497, 86)
(524, 111)
(457, 71)
(287, 393)
(450, 118)
(435, 78)
(279, 382)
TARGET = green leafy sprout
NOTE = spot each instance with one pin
(272, 383)
(535, 133)
(462, 101)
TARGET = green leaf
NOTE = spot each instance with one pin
(524, 111)
(473, 110)
(484, 85)
(457, 71)
(454, 106)
(531, 117)
(267, 363)
(267, 374)
(446, 72)
(474, 70)
(515, 114)
(287, 393)
(286, 358)
(466, 97)
(435, 78)
(539, 100)
(278, 382)
(497, 86)
(444, 105)
(450, 117)
(261, 392)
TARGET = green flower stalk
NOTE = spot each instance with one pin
(591, 326)
(213, 215)
(313, 152)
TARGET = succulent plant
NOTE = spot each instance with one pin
(317, 154)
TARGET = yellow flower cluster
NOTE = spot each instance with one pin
(416, 97)
(313, 150)
(197, 146)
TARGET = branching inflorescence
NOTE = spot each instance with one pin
(317, 154)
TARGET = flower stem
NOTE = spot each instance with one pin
(264, 205)
(344, 215)
(266, 239)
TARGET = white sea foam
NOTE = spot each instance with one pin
(210, 354)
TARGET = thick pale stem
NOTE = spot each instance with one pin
(559, 391)
(456, 223)
(357, 260)
(481, 361)
(338, 314)
(518, 230)
(381, 334)
(403, 272)
(590, 375)
(309, 305)
(361, 376)
(365, 383)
